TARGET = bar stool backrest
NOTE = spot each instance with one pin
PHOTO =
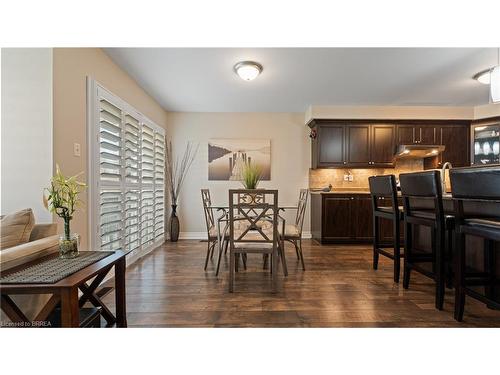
(419, 186)
(382, 187)
(476, 183)
(476, 191)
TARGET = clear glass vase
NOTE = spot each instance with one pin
(68, 249)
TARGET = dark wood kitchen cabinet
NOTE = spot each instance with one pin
(328, 146)
(456, 140)
(346, 218)
(353, 144)
(339, 218)
(358, 145)
(383, 146)
(424, 134)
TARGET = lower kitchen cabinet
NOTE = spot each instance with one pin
(345, 218)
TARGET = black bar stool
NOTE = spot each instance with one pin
(383, 189)
(476, 198)
(423, 206)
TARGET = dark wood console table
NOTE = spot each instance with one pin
(65, 293)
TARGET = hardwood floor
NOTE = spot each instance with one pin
(168, 288)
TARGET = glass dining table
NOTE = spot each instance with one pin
(223, 218)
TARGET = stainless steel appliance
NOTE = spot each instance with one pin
(485, 148)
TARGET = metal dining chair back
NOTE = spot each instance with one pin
(210, 222)
(253, 227)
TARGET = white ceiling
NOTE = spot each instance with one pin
(202, 79)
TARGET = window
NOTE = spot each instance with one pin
(127, 175)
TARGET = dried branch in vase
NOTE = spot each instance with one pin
(176, 170)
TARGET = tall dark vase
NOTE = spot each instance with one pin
(174, 224)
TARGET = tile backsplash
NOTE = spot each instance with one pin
(319, 178)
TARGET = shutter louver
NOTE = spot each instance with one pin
(110, 142)
(147, 155)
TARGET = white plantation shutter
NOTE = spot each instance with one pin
(128, 161)
(159, 181)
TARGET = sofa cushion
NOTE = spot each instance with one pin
(43, 230)
(15, 229)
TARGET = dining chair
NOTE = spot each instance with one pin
(253, 227)
(293, 232)
(476, 199)
(423, 206)
(383, 190)
(212, 235)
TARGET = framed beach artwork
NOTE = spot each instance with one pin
(226, 158)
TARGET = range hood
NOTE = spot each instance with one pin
(418, 151)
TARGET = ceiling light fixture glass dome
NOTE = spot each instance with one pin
(248, 70)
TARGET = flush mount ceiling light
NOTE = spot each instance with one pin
(491, 77)
(248, 70)
(483, 77)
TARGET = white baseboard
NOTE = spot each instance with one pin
(203, 235)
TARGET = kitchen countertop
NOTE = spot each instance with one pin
(360, 191)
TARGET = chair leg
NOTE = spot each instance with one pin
(208, 255)
(212, 251)
(265, 259)
(407, 258)
(489, 267)
(281, 249)
(376, 244)
(225, 248)
(459, 263)
(219, 256)
(301, 255)
(397, 251)
(274, 265)
(296, 248)
(231, 270)
(449, 259)
(244, 259)
(439, 268)
(237, 262)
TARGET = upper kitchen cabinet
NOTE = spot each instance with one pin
(328, 146)
(455, 138)
(358, 145)
(383, 138)
(353, 144)
(424, 134)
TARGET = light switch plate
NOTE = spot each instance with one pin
(76, 149)
(351, 177)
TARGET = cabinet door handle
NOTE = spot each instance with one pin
(352, 198)
(345, 162)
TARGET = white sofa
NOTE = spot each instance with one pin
(43, 240)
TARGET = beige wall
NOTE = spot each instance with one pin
(388, 112)
(71, 66)
(26, 152)
(401, 112)
(290, 157)
(487, 110)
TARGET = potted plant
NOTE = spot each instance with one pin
(175, 174)
(251, 175)
(62, 199)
